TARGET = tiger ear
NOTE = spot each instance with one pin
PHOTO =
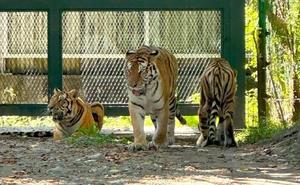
(56, 90)
(130, 52)
(73, 93)
(154, 53)
(235, 73)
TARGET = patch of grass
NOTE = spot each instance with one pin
(117, 122)
(191, 121)
(26, 121)
(91, 131)
(91, 137)
(125, 122)
(122, 122)
(99, 140)
(253, 134)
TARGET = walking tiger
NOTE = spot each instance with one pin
(151, 74)
(218, 89)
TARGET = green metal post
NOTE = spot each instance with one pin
(54, 50)
(234, 51)
(262, 63)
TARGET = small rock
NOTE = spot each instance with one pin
(156, 165)
(125, 169)
(272, 165)
(114, 171)
(56, 170)
(268, 151)
(281, 160)
(93, 170)
(202, 150)
(221, 156)
(95, 156)
(90, 161)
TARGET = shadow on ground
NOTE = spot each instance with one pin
(43, 161)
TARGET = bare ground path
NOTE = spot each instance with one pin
(43, 161)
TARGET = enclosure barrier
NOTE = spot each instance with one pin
(81, 44)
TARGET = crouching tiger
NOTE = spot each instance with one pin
(218, 89)
(151, 75)
(69, 112)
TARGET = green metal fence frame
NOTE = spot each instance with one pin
(233, 44)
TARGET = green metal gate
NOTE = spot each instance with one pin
(81, 44)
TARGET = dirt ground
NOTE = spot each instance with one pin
(43, 161)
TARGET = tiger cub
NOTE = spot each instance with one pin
(218, 89)
(151, 74)
(70, 113)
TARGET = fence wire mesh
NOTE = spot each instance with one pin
(94, 47)
(23, 51)
(97, 42)
(94, 44)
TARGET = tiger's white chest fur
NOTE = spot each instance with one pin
(152, 101)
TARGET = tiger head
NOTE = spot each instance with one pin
(60, 104)
(140, 69)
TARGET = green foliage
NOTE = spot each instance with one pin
(91, 137)
(252, 135)
(91, 131)
(251, 108)
(251, 34)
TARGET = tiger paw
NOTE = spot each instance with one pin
(155, 146)
(230, 143)
(201, 141)
(171, 140)
(136, 147)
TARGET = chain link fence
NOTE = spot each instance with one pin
(94, 46)
(23, 57)
(97, 42)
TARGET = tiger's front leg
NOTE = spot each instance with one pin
(137, 115)
(160, 136)
(171, 131)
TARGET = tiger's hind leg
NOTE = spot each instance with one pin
(229, 140)
(212, 139)
(173, 111)
(208, 129)
(220, 132)
(203, 126)
(171, 130)
(98, 114)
